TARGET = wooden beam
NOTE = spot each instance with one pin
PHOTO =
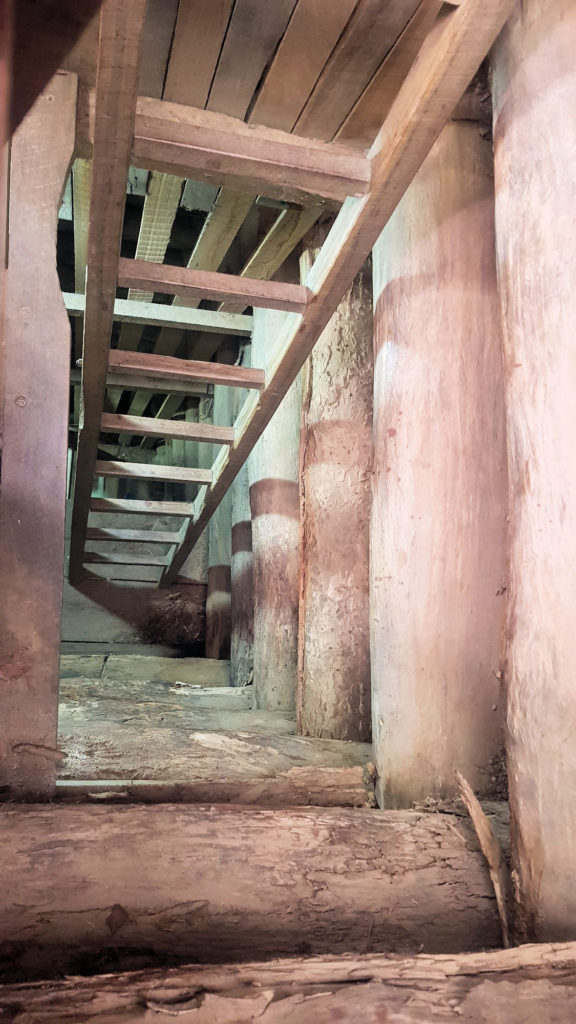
(527, 983)
(449, 58)
(167, 370)
(131, 382)
(118, 558)
(34, 394)
(204, 284)
(223, 150)
(131, 506)
(150, 471)
(130, 536)
(116, 89)
(148, 426)
(173, 317)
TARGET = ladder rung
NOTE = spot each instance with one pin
(179, 318)
(207, 284)
(163, 371)
(147, 471)
(145, 536)
(131, 506)
(94, 558)
(148, 426)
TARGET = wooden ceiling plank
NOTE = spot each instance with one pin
(200, 30)
(205, 284)
(310, 37)
(371, 33)
(363, 122)
(254, 31)
(149, 471)
(156, 45)
(182, 430)
(223, 150)
(168, 371)
(451, 54)
(173, 317)
(116, 93)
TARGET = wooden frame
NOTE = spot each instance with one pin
(451, 54)
(166, 371)
(178, 318)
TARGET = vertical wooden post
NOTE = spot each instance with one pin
(273, 474)
(336, 439)
(35, 442)
(242, 579)
(438, 529)
(534, 86)
(218, 599)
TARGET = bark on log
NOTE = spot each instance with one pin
(335, 462)
(273, 474)
(438, 529)
(210, 883)
(528, 985)
(535, 141)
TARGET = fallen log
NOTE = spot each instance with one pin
(519, 986)
(212, 883)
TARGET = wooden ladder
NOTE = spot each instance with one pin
(191, 143)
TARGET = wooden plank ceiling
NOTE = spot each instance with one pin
(234, 197)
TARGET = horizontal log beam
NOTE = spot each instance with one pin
(169, 880)
(130, 536)
(147, 426)
(180, 318)
(450, 56)
(208, 146)
(149, 471)
(95, 558)
(132, 506)
(167, 371)
(528, 983)
(208, 284)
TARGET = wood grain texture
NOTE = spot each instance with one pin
(150, 471)
(143, 879)
(167, 370)
(34, 444)
(204, 284)
(223, 150)
(371, 32)
(141, 312)
(129, 506)
(536, 264)
(335, 478)
(528, 985)
(200, 29)
(147, 426)
(115, 102)
(251, 39)
(273, 478)
(450, 56)
(438, 524)
(219, 597)
(310, 37)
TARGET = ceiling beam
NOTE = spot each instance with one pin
(169, 371)
(161, 315)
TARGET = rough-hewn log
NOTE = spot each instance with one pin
(439, 490)
(273, 469)
(535, 139)
(335, 458)
(212, 882)
(303, 786)
(531, 985)
(35, 434)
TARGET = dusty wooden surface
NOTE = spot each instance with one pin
(273, 475)
(205, 750)
(35, 433)
(438, 529)
(535, 140)
(335, 464)
(213, 882)
(201, 671)
(304, 785)
(172, 694)
(528, 985)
